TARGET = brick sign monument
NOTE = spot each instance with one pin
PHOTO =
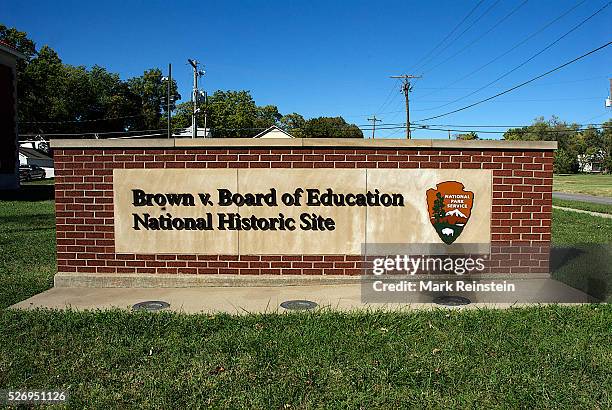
(181, 212)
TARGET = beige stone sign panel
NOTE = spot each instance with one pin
(154, 207)
(412, 223)
(174, 181)
(349, 222)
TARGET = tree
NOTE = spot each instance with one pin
(42, 90)
(294, 124)
(467, 136)
(267, 116)
(232, 114)
(235, 114)
(182, 116)
(57, 97)
(113, 100)
(18, 40)
(565, 162)
(606, 145)
(330, 127)
(152, 90)
(438, 207)
(589, 146)
(566, 135)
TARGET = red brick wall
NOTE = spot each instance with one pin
(520, 225)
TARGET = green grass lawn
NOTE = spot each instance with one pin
(46, 181)
(582, 257)
(585, 206)
(27, 241)
(546, 357)
(579, 228)
(542, 357)
(591, 184)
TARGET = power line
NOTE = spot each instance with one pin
(546, 83)
(521, 84)
(81, 121)
(596, 116)
(463, 32)
(387, 100)
(420, 125)
(86, 133)
(503, 132)
(374, 120)
(496, 25)
(395, 128)
(533, 99)
(449, 34)
(363, 115)
(529, 59)
(517, 45)
(583, 124)
(388, 97)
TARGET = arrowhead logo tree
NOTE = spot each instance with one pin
(450, 207)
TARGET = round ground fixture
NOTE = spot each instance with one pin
(151, 305)
(298, 305)
(451, 300)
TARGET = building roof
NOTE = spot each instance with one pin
(7, 48)
(32, 153)
(271, 129)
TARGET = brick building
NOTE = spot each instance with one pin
(9, 163)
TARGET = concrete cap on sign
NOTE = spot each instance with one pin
(303, 142)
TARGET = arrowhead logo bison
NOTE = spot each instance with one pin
(450, 207)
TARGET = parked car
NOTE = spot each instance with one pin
(24, 174)
(31, 172)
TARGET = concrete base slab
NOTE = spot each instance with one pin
(242, 300)
(159, 280)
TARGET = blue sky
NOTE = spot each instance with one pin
(328, 58)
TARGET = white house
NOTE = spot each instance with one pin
(31, 156)
(591, 163)
(274, 132)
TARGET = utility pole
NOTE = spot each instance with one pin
(205, 113)
(169, 88)
(374, 120)
(406, 88)
(194, 96)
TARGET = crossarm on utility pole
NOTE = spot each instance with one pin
(374, 120)
(406, 88)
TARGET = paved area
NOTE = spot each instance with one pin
(583, 197)
(582, 211)
(241, 300)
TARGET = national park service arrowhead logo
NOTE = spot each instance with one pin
(450, 207)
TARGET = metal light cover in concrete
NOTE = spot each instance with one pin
(451, 300)
(298, 305)
(151, 305)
